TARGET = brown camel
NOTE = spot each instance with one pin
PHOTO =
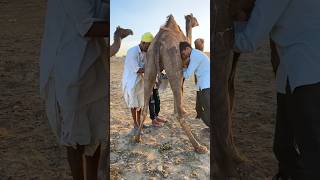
(164, 53)
(119, 34)
(225, 153)
(191, 22)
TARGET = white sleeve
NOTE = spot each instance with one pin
(131, 61)
(264, 16)
(194, 63)
(82, 13)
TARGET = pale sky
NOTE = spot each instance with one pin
(149, 15)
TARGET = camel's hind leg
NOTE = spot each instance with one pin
(175, 80)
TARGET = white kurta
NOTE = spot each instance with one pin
(72, 74)
(132, 82)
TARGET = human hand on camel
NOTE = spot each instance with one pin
(140, 71)
(185, 63)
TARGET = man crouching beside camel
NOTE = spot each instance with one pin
(198, 63)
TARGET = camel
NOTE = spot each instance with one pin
(164, 53)
(225, 154)
(191, 22)
(119, 34)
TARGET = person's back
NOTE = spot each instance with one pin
(203, 71)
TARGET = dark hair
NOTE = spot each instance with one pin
(183, 45)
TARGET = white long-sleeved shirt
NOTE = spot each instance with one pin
(132, 82)
(294, 25)
(66, 54)
(200, 66)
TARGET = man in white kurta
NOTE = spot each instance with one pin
(132, 82)
(199, 64)
(73, 79)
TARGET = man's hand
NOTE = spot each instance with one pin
(98, 29)
(140, 71)
(185, 63)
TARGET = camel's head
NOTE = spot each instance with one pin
(241, 9)
(122, 33)
(191, 20)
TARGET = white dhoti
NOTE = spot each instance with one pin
(72, 73)
(85, 125)
(133, 93)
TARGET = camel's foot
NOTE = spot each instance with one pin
(184, 113)
(201, 149)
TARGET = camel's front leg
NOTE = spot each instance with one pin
(197, 146)
(231, 87)
(177, 94)
(149, 82)
(177, 106)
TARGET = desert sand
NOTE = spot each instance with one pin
(165, 152)
(28, 149)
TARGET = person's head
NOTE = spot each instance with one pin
(146, 40)
(185, 50)
(199, 44)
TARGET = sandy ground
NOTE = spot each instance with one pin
(164, 152)
(28, 149)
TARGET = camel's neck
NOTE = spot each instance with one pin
(114, 48)
(189, 31)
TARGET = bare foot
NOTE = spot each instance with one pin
(162, 120)
(156, 123)
(201, 149)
